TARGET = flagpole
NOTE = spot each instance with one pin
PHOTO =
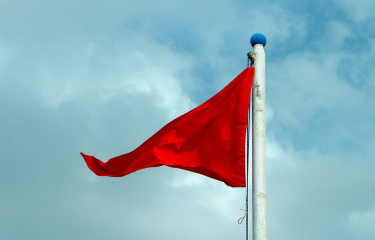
(259, 196)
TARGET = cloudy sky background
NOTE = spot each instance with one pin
(102, 76)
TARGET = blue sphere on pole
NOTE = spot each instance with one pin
(258, 38)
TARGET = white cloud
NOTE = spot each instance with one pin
(212, 195)
(277, 23)
(103, 70)
(188, 180)
(362, 223)
(360, 9)
(278, 158)
(130, 66)
(269, 113)
(337, 33)
(306, 83)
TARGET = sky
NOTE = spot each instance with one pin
(100, 77)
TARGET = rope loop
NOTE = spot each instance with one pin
(241, 219)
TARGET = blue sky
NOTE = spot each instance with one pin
(102, 76)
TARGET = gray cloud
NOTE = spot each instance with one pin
(101, 77)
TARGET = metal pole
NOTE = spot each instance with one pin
(258, 41)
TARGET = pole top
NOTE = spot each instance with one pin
(258, 38)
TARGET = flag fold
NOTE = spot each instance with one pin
(209, 140)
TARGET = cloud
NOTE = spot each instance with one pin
(361, 223)
(101, 77)
(337, 33)
(360, 10)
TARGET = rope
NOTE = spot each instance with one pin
(247, 180)
(247, 175)
(241, 219)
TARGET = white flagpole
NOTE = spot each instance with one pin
(258, 41)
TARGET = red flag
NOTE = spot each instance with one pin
(208, 140)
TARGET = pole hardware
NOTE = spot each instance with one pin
(250, 59)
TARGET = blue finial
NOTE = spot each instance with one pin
(258, 38)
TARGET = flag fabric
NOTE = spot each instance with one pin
(209, 140)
